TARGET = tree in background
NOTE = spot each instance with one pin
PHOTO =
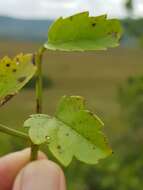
(131, 100)
(133, 27)
(124, 170)
(129, 7)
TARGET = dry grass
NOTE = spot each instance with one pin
(96, 76)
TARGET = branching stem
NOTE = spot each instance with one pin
(13, 132)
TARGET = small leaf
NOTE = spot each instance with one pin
(14, 74)
(74, 131)
(81, 32)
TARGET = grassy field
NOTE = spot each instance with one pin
(96, 76)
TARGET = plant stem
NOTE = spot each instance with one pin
(39, 57)
(39, 89)
(34, 152)
(13, 132)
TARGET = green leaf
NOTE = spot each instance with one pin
(81, 32)
(73, 131)
(14, 74)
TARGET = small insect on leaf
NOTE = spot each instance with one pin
(81, 32)
(14, 74)
(73, 131)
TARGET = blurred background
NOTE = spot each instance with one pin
(111, 81)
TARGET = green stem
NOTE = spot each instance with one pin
(39, 89)
(38, 60)
(13, 132)
(34, 152)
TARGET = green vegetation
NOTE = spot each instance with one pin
(131, 98)
(97, 76)
(14, 75)
(102, 74)
(72, 127)
(82, 32)
(72, 118)
(129, 6)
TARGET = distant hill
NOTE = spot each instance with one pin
(33, 30)
(36, 30)
(133, 32)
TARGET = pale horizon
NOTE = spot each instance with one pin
(51, 9)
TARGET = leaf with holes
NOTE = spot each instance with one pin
(14, 74)
(81, 32)
(73, 131)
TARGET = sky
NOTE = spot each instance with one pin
(50, 9)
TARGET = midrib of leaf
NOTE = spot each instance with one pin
(102, 149)
(71, 127)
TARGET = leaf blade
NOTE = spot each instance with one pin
(14, 74)
(73, 132)
(81, 32)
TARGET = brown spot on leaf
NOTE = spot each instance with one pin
(14, 70)
(59, 147)
(109, 33)
(8, 65)
(17, 59)
(90, 113)
(93, 24)
(21, 79)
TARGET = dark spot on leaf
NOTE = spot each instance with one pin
(105, 140)
(92, 114)
(93, 24)
(77, 98)
(17, 59)
(59, 147)
(109, 33)
(21, 79)
(14, 70)
(8, 65)
(6, 99)
(67, 134)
